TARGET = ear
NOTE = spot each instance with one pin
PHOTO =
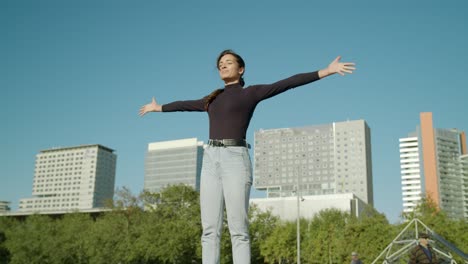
(241, 70)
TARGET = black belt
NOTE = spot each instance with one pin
(228, 143)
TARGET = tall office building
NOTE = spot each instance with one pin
(411, 174)
(431, 163)
(72, 178)
(325, 159)
(173, 162)
(464, 170)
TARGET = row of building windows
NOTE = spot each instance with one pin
(52, 200)
(55, 164)
(57, 179)
(58, 174)
(57, 184)
(58, 189)
(67, 154)
(52, 205)
(286, 135)
(63, 169)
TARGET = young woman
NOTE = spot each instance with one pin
(226, 175)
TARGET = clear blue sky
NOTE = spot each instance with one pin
(77, 72)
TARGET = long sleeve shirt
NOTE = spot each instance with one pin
(231, 111)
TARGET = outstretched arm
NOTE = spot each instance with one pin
(151, 107)
(337, 67)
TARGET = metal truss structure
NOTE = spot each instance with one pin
(398, 250)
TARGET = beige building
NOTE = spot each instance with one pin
(72, 178)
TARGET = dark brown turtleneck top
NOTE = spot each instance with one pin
(230, 112)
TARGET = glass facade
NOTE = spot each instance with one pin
(322, 159)
(173, 162)
(450, 174)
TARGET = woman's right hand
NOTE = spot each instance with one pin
(151, 107)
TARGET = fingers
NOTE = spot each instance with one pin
(147, 107)
(142, 111)
(347, 67)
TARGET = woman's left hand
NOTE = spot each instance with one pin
(340, 67)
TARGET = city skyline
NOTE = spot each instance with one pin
(77, 73)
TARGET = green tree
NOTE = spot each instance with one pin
(71, 237)
(32, 241)
(108, 239)
(369, 235)
(280, 246)
(261, 224)
(180, 225)
(324, 242)
(168, 231)
(113, 234)
(5, 224)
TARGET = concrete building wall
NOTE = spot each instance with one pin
(72, 178)
(323, 159)
(310, 205)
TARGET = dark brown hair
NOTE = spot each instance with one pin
(209, 98)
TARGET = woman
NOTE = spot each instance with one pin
(226, 175)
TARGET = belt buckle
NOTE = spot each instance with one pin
(225, 143)
(216, 143)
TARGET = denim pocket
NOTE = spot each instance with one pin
(239, 156)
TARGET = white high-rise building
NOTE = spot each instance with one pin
(411, 180)
(432, 164)
(324, 159)
(173, 162)
(72, 178)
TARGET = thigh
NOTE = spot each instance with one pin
(211, 189)
(236, 173)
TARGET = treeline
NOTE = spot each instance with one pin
(136, 231)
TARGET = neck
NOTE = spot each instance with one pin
(230, 82)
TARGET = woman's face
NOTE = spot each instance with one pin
(229, 69)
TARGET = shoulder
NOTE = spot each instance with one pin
(254, 88)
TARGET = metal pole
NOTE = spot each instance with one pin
(298, 229)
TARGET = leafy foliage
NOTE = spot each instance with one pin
(165, 227)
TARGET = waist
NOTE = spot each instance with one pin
(228, 143)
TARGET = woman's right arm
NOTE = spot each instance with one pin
(189, 105)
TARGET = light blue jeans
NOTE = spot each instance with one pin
(226, 178)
